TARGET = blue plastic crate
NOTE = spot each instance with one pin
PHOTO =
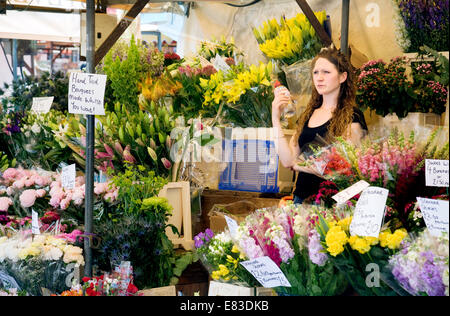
(252, 166)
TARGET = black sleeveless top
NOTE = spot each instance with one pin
(308, 184)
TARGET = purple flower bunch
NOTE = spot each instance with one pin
(426, 23)
(203, 237)
(421, 268)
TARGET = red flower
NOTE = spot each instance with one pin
(132, 289)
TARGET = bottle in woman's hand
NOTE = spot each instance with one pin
(288, 110)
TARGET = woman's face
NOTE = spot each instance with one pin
(326, 77)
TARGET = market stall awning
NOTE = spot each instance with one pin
(29, 25)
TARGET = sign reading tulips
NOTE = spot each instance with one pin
(86, 93)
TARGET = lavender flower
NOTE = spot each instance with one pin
(316, 253)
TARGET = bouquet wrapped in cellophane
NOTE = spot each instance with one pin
(363, 259)
(42, 261)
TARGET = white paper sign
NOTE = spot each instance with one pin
(350, 192)
(232, 225)
(369, 212)
(35, 223)
(436, 173)
(220, 64)
(42, 104)
(68, 176)
(226, 289)
(86, 93)
(435, 214)
(266, 272)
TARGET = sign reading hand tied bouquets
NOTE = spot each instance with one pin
(86, 93)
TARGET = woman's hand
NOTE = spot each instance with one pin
(308, 169)
(281, 99)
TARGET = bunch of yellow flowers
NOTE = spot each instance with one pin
(226, 271)
(338, 236)
(287, 41)
(229, 88)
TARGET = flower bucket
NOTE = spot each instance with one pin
(416, 119)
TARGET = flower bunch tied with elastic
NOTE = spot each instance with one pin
(222, 258)
(421, 267)
(355, 255)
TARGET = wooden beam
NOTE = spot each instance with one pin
(118, 30)
(326, 40)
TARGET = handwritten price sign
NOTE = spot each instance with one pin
(266, 272)
(436, 173)
(369, 212)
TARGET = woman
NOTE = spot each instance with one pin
(331, 112)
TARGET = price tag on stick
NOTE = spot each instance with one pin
(68, 176)
(35, 223)
(350, 192)
(232, 225)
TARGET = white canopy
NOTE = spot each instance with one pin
(58, 27)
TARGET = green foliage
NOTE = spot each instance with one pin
(24, 90)
(137, 187)
(254, 108)
(309, 279)
(141, 240)
(125, 67)
(5, 163)
(181, 263)
(135, 230)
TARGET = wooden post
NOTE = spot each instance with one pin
(119, 29)
(326, 40)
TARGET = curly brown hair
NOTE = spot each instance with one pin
(343, 114)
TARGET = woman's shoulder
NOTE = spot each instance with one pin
(358, 117)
